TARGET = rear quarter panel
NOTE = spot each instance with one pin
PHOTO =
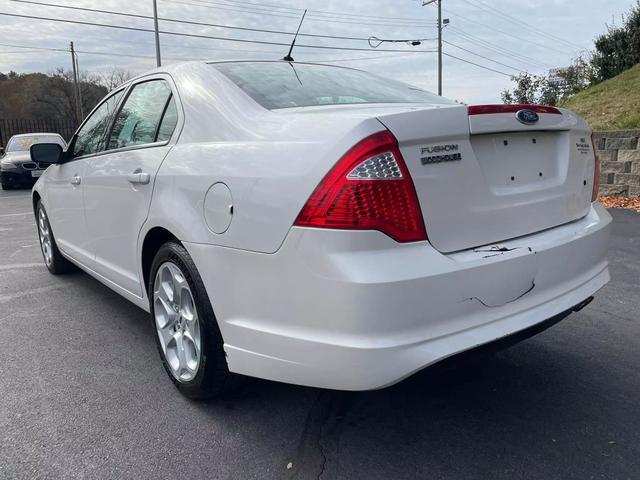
(270, 180)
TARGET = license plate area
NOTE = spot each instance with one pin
(514, 162)
(36, 173)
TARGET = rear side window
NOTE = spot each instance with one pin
(282, 84)
(169, 122)
(139, 118)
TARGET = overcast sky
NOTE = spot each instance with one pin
(513, 35)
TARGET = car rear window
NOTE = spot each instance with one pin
(23, 142)
(283, 85)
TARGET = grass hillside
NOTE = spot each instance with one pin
(611, 105)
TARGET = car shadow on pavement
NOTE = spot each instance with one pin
(518, 407)
(553, 404)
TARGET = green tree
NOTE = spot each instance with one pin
(619, 48)
(540, 89)
(532, 89)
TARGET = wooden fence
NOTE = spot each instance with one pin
(13, 126)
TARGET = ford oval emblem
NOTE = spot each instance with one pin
(528, 117)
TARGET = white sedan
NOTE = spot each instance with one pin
(322, 226)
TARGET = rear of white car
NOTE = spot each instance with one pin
(442, 229)
(323, 226)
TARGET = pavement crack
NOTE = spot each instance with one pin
(323, 456)
(318, 448)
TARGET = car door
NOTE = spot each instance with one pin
(119, 181)
(64, 182)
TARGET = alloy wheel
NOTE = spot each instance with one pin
(177, 322)
(45, 237)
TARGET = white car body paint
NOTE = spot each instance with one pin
(338, 308)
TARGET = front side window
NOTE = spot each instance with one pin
(138, 120)
(89, 138)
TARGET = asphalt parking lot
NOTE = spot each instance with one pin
(83, 394)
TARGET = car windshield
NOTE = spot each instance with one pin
(282, 85)
(23, 143)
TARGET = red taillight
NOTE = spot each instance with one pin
(596, 170)
(510, 108)
(368, 189)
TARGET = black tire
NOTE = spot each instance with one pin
(212, 377)
(58, 264)
(6, 186)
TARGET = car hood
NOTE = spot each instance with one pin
(17, 157)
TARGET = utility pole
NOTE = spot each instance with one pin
(440, 47)
(155, 24)
(76, 88)
(79, 88)
(441, 24)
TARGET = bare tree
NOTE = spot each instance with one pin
(58, 93)
(48, 96)
(114, 78)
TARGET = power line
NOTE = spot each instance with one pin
(482, 56)
(209, 37)
(489, 8)
(503, 32)
(32, 48)
(317, 18)
(116, 54)
(146, 30)
(10, 45)
(234, 8)
(187, 47)
(169, 45)
(318, 12)
(438, 4)
(331, 20)
(338, 60)
(187, 22)
(35, 49)
(477, 41)
(497, 48)
(375, 42)
(477, 65)
(5, 52)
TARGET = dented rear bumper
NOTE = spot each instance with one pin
(356, 310)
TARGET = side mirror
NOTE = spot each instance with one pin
(46, 153)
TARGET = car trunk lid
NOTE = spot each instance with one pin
(484, 174)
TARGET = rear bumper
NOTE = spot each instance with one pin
(357, 311)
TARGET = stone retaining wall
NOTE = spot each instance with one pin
(619, 153)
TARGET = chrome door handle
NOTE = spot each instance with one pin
(139, 177)
(75, 180)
